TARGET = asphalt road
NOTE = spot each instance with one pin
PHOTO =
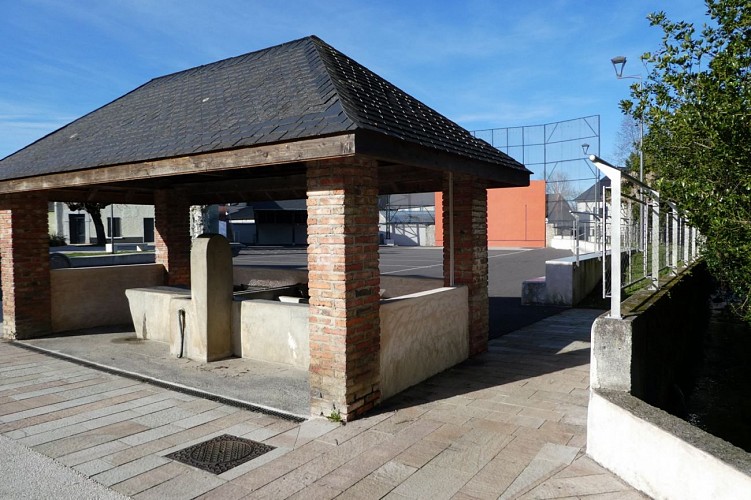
(507, 269)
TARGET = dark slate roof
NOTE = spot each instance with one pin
(590, 193)
(300, 89)
(558, 208)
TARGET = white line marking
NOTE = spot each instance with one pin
(441, 264)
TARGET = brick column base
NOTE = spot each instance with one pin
(172, 235)
(25, 266)
(344, 283)
(470, 206)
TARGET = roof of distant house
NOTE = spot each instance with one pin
(591, 193)
(297, 90)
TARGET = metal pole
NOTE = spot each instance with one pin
(674, 252)
(686, 241)
(615, 228)
(451, 229)
(615, 245)
(655, 244)
(112, 228)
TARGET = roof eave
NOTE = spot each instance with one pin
(390, 149)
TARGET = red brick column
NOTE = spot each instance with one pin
(172, 235)
(25, 266)
(344, 283)
(470, 207)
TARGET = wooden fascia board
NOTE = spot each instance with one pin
(321, 148)
(385, 148)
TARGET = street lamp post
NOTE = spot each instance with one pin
(619, 63)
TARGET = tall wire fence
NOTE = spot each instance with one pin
(555, 152)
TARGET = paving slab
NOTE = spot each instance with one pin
(510, 423)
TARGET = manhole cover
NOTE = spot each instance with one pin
(221, 453)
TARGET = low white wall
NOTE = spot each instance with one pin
(565, 283)
(95, 296)
(422, 334)
(662, 455)
(268, 330)
(152, 312)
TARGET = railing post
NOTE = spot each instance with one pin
(686, 242)
(693, 244)
(674, 243)
(615, 230)
(655, 275)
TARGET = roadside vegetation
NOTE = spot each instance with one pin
(696, 105)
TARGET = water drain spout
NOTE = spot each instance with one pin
(181, 323)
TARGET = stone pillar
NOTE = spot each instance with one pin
(210, 338)
(172, 235)
(25, 265)
(344, 285)
(470, 226)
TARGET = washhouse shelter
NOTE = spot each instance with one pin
(296, 121)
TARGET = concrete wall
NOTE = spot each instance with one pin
(271, 331)
(422, 334)
(152, 312)
(565, 283)
(95, 296)
(651, 352)
(661, 455)
(642, 363)
(516, 216)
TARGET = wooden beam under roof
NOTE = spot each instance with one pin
(322, 148)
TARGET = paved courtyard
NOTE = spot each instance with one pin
(510, 423)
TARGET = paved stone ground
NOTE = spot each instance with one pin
(507, 424)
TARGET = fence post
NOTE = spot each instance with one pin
(615, 239)
(693, 244)
(686, 242)
(655, 274)
(674, 245)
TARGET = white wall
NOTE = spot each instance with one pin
(662, 455)
(95, 296)
(422, 334)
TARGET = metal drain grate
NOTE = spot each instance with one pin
(221, 453)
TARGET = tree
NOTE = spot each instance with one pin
(627, 144)
(559, 183)
(696, 104)
(95, 210)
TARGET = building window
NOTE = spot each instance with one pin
(113, 230)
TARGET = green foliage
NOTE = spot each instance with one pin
(696, 104)
(335, 416)
(57, 241)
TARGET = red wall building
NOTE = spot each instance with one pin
(516, 216)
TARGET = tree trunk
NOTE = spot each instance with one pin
(96, 217)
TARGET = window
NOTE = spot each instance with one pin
(113, 230)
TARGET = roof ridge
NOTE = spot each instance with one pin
(227, 59)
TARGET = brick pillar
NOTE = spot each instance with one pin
(344, 284)
(172, 235)
(470, 207)
(25, 266)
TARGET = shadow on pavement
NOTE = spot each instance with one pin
(507, 314)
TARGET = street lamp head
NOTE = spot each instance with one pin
(585, 148)
(619, 62)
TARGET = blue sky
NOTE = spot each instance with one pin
(484, 64)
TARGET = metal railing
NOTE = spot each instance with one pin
(644, 236)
